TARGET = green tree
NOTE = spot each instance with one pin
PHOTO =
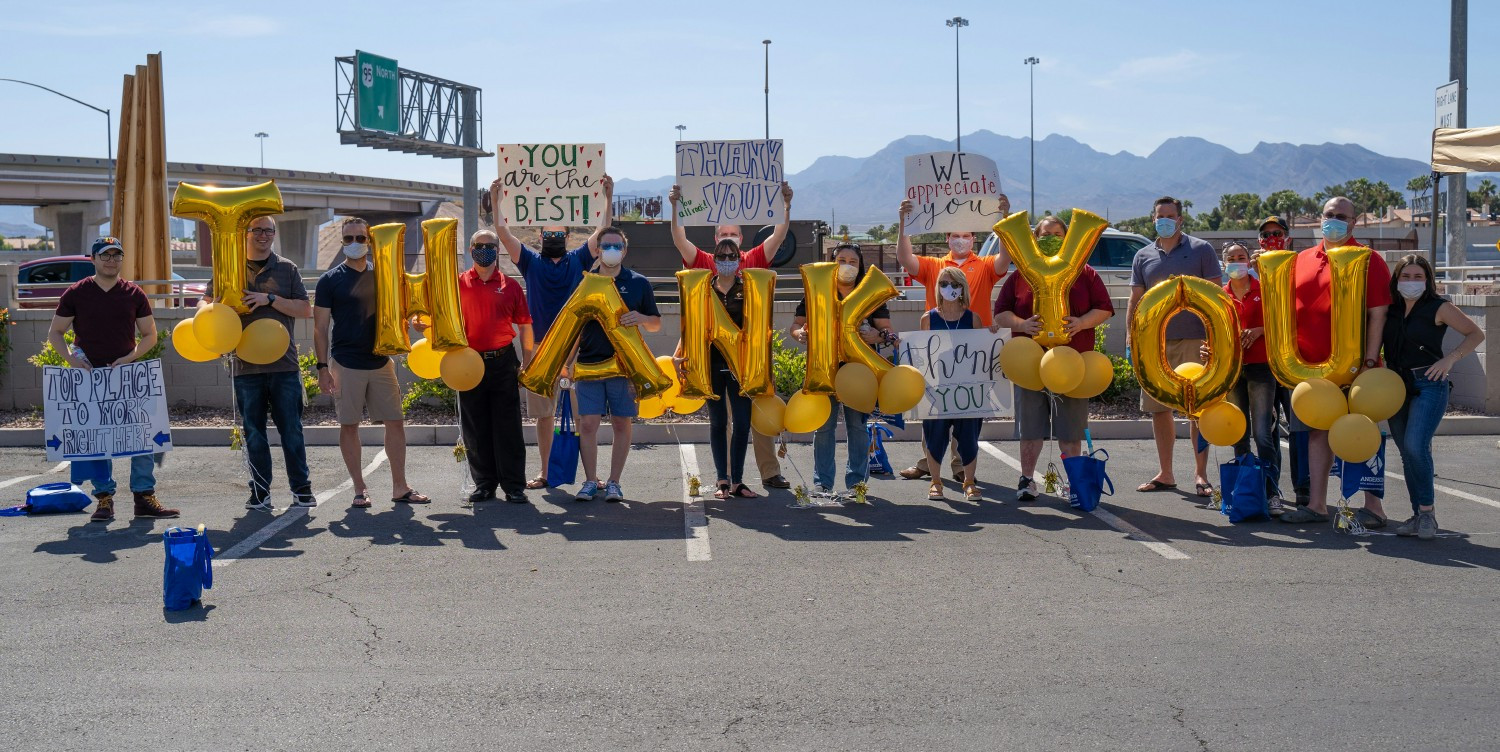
(843, 231)
(1483, 194)
(1368, 198)
(877, 232)
(1137, 225)
(1237, 211)
(1286, 204)
(1419, 186)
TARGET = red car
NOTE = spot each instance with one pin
(58, 272)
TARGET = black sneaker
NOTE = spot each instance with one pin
(259, 505)
(1025, 490)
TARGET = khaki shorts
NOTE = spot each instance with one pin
(1039, 417)
(375, 392)
(1179, 351)
(539, 407)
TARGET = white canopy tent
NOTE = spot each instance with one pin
(1456, 151)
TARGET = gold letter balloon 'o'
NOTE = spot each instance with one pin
(1149, 356)
(228, 213)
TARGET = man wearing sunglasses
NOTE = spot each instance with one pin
(495, 313)
(551, 276)
(107, 314)
(1275, 236)
(1311, 280)
(274, 290)
(360, 381)
(694, 257)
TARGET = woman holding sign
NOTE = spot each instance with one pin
(1043, 415)
(952, 312)
(876, 329)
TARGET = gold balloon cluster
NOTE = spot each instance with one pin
(672, 399)
(1353, 435)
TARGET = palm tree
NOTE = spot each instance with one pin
(1418, 186)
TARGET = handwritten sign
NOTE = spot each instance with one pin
(729, 182)
(962, 368)
(952, 192)
(105, 412)
(551, 184)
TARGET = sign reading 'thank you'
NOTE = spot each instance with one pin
(100, 413)
(962, 369)
(551, 184)
(729, 182)
(952, 191)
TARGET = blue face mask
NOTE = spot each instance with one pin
(1165, 227)
(727, 266)
(483, 256)
(1335, 230)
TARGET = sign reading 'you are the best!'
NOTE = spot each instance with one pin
(729, 182)
(962, 370)
(551, 184)
(99, 413)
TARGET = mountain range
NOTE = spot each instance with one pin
(863, 191)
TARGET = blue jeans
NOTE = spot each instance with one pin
(102, 474)
(858, 466)
(280, 394)
(1412, 427)
(1255, 394)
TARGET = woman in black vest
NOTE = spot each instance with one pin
(1414, 331)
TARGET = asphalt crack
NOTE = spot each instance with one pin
(1177, 715)
(1085, 566)
(347, 569)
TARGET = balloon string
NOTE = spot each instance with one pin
(234, 416)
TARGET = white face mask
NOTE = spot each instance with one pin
(1237, 270)
(356, 250)
(960, 246)
(611, 257)
(848, 273)
(950, 293)
(1411, 289)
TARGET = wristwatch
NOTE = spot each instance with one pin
(320, 366)
(1371, 362)
(270, 298)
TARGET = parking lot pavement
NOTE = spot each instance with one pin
(674, 623)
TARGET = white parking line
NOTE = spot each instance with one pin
(1450, 491)
(1130, 531)
(255, 539)
(694, 519)
(8, 483)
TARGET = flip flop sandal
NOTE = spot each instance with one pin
(1154, 485)
(744, 492)
(361, 501)
(536, 483)
(1205, 490)
(722, 492)
(411, 497)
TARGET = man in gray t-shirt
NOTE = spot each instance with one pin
(1173, 254)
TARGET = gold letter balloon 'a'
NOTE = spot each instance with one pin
(228, 213)
(833, 324)
(1346, 309)
(706, 324)
(1149, 356)
(400, 295)
(595, 299)
(1051, 277)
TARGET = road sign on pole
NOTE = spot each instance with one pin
(1447, 105)
(379, 92)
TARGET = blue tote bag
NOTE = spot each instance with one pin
(1242, 484)
(51, 498)
(1362, 476)
(1087, 479)
(562, 462)
(189, 568)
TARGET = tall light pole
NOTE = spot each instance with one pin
(109, 135)
(262, 138)
(680, 129)
(1031, 63)
(767, 44)
(957, 22)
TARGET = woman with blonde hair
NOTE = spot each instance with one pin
(952, 313)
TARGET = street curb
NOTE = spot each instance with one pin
(690, 433)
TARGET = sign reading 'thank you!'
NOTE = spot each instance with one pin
(729, 182)
(100, 413)
(962, 369)
(551, 184)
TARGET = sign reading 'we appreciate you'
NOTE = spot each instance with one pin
(952, 191)
(729, 182)
(551, 184)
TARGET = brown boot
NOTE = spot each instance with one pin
(105, 512)
(913, 473)
(146, 505)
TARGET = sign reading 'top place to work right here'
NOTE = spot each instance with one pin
(729, 182)
(101, 413)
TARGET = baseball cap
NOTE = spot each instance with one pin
(105, 243)
(1272, 220)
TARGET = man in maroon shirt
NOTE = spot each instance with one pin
(494, 309)
(106, 313)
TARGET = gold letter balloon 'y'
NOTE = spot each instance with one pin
(1051, 277)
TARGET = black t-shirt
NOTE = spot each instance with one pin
(593, 344)
(733, 302)
(349, 295)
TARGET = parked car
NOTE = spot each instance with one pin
(58, 272)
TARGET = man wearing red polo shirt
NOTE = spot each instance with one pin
(494, 309)
(1312, 294)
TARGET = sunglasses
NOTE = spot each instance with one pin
(1273, 234)
(485, 246)
(611, 246)
(554, 235)
(846, 246)
(950, 285)
(727, 257)
(266, 231)
(354, 238)
(1339, 217)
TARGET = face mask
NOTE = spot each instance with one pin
(1051, 245)
(848, 273)
(1277, 243)
(611, 255)
(727, 266)
(1411, 289)
(356, 250)
(554, 247)
(1237, 270)
(1335, 230)
(950, 293)
(960, 246)
(484, 256)
(1165, 227)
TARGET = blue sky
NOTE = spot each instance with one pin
(846, 77)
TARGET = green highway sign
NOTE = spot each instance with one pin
(379, 92)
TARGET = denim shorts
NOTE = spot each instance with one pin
(616, 394)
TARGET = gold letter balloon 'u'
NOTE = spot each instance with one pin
(1149, 356)
(1051, 277)
(400, 295)
(228, 213)
(1347, 269)
(595, 299)
(706, 324)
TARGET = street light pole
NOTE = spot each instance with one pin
(680, 129)
(1031, 63)
(109, 136)
(262, 137)
(767, 43)
(957, 22)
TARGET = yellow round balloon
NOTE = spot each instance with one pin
(901, 389)
(1318, 403)
(461, 369)
(264, 341)
(217, 328)
(1377, 393)
(686, 405)
(1222, 424)
(648, 408)
(1354, 438)
(186, 344)
(664, 362)
(1189, 370)
(1061, 369)
(425, 361)
(1020, 361)
(807, 412)
(856, 386)
(1098, 374)
(767, 415)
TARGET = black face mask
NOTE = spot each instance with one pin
(554, 247)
